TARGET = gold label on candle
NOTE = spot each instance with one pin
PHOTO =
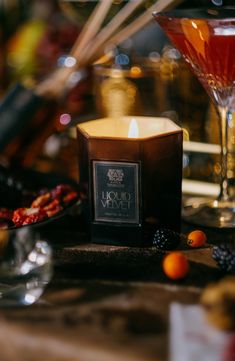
(116, 192)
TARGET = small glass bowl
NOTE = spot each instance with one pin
(25, 266)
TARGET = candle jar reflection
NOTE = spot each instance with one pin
(120, 92)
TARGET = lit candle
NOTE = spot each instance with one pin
(131, 173)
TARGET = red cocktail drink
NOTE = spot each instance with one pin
(208, 47)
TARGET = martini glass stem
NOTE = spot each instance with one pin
(224, 117)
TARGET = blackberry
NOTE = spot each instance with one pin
(224, 255)
(166, 239)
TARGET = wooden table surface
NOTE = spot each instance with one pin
(104, 302)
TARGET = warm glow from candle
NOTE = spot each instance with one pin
(133, 131)
(135, 127)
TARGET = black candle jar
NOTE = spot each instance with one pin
(131, 182)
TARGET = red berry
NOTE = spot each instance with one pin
(175, 265)
(196, 239)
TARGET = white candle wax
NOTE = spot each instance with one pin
(133, 127)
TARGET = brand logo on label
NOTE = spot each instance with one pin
(115, 176)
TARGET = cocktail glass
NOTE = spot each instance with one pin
(206, 39)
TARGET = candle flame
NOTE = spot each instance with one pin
(133, 131)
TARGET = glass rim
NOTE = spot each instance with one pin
(211, 13)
